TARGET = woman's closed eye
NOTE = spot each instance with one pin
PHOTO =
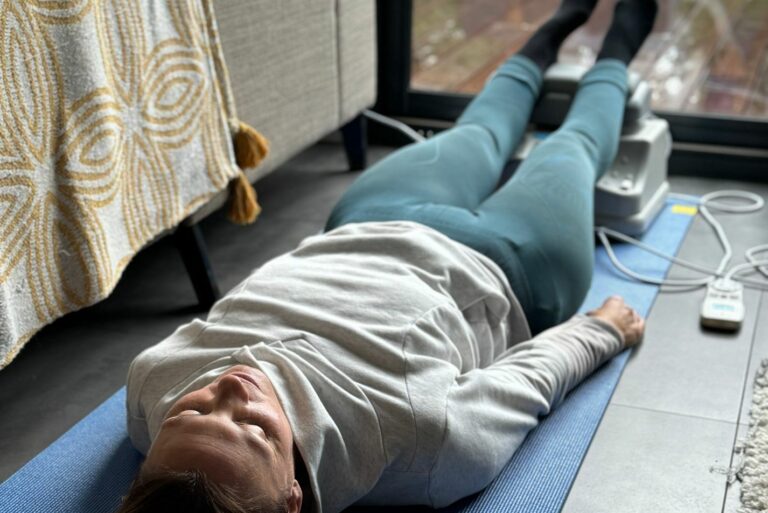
(188, 408)
(247, 421)
(200, 410)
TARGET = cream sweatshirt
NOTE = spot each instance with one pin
(401, 357)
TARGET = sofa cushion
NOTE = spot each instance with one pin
(357, 56)
(282, 61)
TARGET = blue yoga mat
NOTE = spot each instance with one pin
(91, 466)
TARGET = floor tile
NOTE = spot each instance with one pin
(743, 230)
(300, 196)
(701, 245)
(681, 368)
(309, 185)
(643, 461)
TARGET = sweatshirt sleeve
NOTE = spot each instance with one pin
(138, 431)
(490, 410)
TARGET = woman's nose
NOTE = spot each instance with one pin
(232, 388)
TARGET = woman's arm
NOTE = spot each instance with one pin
(491, 410)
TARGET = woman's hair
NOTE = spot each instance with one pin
(190, 492)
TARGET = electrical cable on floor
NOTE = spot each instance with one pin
(704, 203)
(751, 257)
(398, 125)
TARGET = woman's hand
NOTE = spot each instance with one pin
(624, 318)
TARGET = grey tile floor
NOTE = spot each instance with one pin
(670, 427)
(683, 399)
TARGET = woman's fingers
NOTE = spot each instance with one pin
(623, 317)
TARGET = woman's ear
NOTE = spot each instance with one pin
(295, 498)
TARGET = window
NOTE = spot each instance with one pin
(702, 57)
(707, 61)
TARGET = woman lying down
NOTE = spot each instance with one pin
(390, 360)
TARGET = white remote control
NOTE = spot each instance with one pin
(723, 307)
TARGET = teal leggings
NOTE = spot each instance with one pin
(538, 225)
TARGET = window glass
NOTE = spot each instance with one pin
(704, 56)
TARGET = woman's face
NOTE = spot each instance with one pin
(233, 430)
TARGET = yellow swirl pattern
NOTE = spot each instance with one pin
(114, 126)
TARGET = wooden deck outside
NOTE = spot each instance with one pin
(704, 56)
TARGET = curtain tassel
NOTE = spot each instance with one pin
(250, 149)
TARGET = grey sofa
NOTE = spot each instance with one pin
(299, 69)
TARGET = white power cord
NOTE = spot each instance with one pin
(704, 203)
(751, 266)
(398, 125)
(602, 234)
(751, 257)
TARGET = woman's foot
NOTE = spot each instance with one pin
(544, 44)
(632, 22)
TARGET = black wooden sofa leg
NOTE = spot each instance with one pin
(355, 142)
(190, 243)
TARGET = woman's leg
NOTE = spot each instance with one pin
(538, 229)
(544, 213)
(450, 174)
(459, 167)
